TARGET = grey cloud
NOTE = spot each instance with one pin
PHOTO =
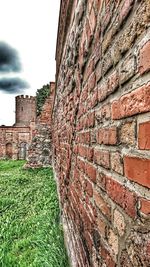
(13, 85)
(9, 59)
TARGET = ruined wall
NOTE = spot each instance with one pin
(101, 131)
(40, 151)
(14, 142)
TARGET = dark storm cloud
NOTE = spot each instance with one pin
(13, 85)
(9, 59)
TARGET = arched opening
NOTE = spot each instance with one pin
(9, 150)
(23, 151)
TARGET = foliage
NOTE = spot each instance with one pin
(31, 234)
(41, 96)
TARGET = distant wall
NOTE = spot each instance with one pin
(40, 151)
(101, 131)
(17, 139)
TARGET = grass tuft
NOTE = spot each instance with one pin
(31, 234)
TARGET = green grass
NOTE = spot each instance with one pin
(30, 231)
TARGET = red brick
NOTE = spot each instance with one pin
(145, 206)
(88, 70)
(84, 138)
(113, 81)
(90, 153)
(137, 170)
(144, 135)
(132, 103)
(92, 82)
(102, 204)
(105, 254)
(88, 188)
(93, 99)
(90, 171)
(103, 89)
(82, 151)
(103, 113)
(107, 136)
(86, 152)
(102, 227)
(144, 63)
(92, 20)
(81, 165)
(84, 94)
(122, 196)
(108, 86)
(91, 119)
(101, 180)
(102, 158)
(88, 34)
(125, 9)
(127, 69)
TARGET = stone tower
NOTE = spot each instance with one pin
(25, 110)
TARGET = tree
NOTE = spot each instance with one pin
(41, 96)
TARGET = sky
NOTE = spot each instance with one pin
(28, 34)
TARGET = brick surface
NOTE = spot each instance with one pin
(133, 103)
(144, 62)
(137, 170)
(145, 206)
(144, 135)
(102, 204)
(102, 158)
(128, 133)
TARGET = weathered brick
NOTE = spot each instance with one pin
(116, 162)
(103, 112)
(106, 256)
(122, 196)
(119, 222)
(92, 82)
(90, 170)
(102, 158)
(137, 170)
(113, 241)
(144, 62)
(88, 70)
(145, 206)
(92, 20)
(107, 136)
(102, 227)
(128, 133)
(81, 164)
(88, 188)
(132, 103)
(144, 135)
(125, 9)
(102, 204)
(127, 69)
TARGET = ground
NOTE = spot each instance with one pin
(30, 229)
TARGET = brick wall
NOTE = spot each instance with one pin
(17, 139)
(40, 151)
(101, 131)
